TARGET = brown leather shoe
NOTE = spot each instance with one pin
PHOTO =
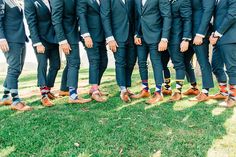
(143, 94)
(200, 97)
(219, 96)
(51, 96)
(97, 97)
(64, 93)
(103, 93)
(175, 97)
(229, 103)
(166, 92)
(6, 102)
(125, 97)
(192, 91)
(46, 102)
(130, 93)
(21, 106)
(155, 99)
(79, 101)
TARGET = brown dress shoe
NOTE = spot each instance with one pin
(219, 96)
(79, 101)
(143, 94)
(103, 93)
(21, 106)
(46, 102)
(6, 102)
(229, 103)
(64, 93)
(200, 97)
(125, 97)
(155, 99)
(166, 92)
(175, 97)
(192, 91)
(51, 96)
(97, 97)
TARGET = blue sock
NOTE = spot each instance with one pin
(145, 85)
(123, 89)
(158, 89)
(73, 93)
(6, 93)
(15, 96)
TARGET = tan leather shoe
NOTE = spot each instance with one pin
(218, 96)
(175, 97)
(46, 102)
(6, 102)
(166, 92)
(200, 97)
(155, 99)
(64, 93)
(143, 94)
(192, 91)
(79, 101)
(229, 103)
(130, 93)
(21, 106)
(51, 96)
(103, 93)
(97, 97)
(125, 97)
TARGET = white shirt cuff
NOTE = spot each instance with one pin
(186, 38)
(164, 39)
(108, 39)
(37, 44)
(85, 35)
(63, 42)
(200, 35)
(218, 34)
(3, 39)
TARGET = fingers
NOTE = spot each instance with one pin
(4, 47)
(138, 41)
(88, 42)
(162, 46)
(66, 49)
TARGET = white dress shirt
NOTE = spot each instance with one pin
(143, 2)
(46, 2)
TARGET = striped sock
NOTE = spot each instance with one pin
(158, 89)
(6, 93)
(179, 86)
(145, 85)
(205, 91)
(15, 96)
(167, 84)
(223, 88)
(73, 93)
(194, 85)
(44, 91)
(232, 94)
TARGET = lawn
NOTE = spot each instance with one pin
(115, 128)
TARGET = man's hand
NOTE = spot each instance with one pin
(137, 41)
(113, 45)
(4, 46)
(40, 49)
(213, 40)
(184, 46)
(198, 40)
(162, 46)
(88, 42)
(66, 48)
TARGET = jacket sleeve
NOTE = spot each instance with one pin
(208, 9)
(82, 13)
(229, 19)
(2, 15)
(105, 11)
(165, 9)
(31, 18)
(57, 19)
(186, 15)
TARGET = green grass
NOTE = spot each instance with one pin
(112, 128)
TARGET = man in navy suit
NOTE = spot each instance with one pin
(64, 19)
(94, 41)
(224, 39)
(42, 34)
(12, 44)
(118, 23)
(153, 24)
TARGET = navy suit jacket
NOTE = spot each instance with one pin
(11, 23)
(153, 20)
(38, 17)
(118, 19)
(181, 21)
(90, 19)
(65, 21)
(202, 14)
(225, 21)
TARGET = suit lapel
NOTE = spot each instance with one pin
(122, 3)
(145, 5)
(94, 5)
(44, 5)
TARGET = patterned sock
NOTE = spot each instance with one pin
(6, 93)
(167, 84)
(73, 93)
(205, 91)
(123, 89)
(232, 94)
(179, 86)
(44, 91)
(158, 89)
(194, 85)
(223, 88)
(145, 85)
(15, 96)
